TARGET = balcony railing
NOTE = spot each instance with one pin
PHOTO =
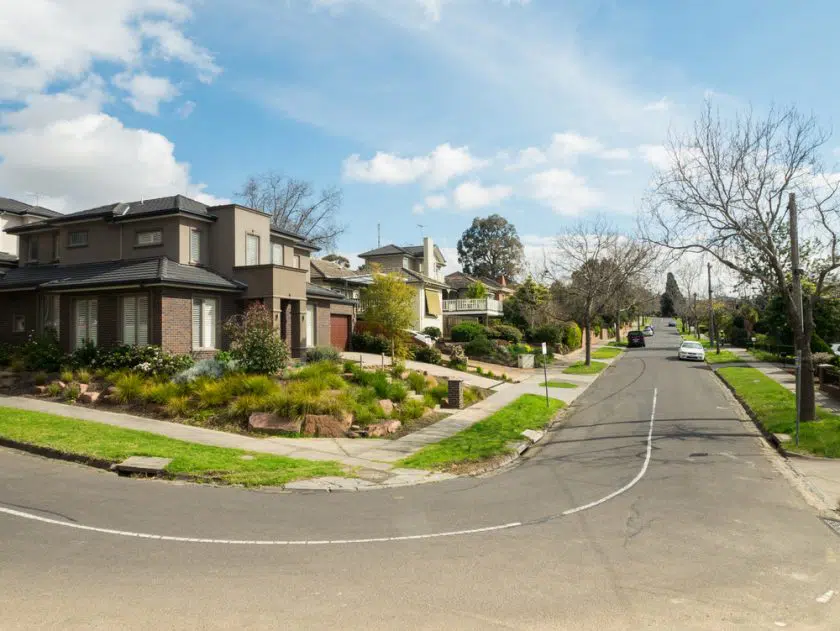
(488, 306)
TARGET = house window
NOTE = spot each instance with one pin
(87, 321)
(310, 325)
(49, 310)
(78, 239)
(19, 324)
(252, 249)
(135, 320)
(149, 237)
(296, 260)
(277, 254)
(33, 248)
(195, 246)
(204, 323)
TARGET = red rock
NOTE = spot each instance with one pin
(271, 422)
(109, 391)
(60, 384)
(347, 420)
(83, 387)
(40, 390)
(323, 426)
(377, 430)
(89, 397)
(387, 406)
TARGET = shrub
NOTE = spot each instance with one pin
(150, 360)
(161, 393)
(411, 410)
(223, 357)
(255, 345)
(433, 332)
(397, 370)
(548, 333)
(54, 389)
(179, 406)
(480, 347)
(370, 343)
(439, 393)
(72, 392)
(87, 355)
(365, 406)
(823, 358)
(349, 365)
(818, 345)
(40, 378)
(7, 353)
(321, 376)
(83, 375)
(457, 358)
(17, 365)
(506, 332)
(738, 336)
(397, 392)
(428, 355)
(417, 381)
(212, 393)
(209, 368)
(323, 353)
(573, 336)
(129, 388)
(245, 405)
(472, 396)
(467, 331)
(42, 352)
(257, 385)
(66, 376)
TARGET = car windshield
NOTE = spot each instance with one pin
(692, 345)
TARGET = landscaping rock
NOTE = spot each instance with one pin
(347, 420)
(378, 430)
(387, 406)
(89, 397)
(324, 426)
(83, 387)
(60, 384)
(271, 422)
(40, 390)
(109, 391)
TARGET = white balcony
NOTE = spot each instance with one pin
(473, 306)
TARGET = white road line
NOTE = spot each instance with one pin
(321, 542)
(825, 597)
(632, 482)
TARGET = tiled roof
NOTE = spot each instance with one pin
(20, 208)
(6, 257)
(296, 236)
(146, 206)
(410, 250)
(155, 270)
(314, 291)
(460, 280)
(330, 270)
(417, 276)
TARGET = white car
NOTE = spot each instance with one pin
(648, 331)
(692, 350)
(422, 338)
(835, 348)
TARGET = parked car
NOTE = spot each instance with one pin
(835, 348)
(420, 338)
(691, 350)
(672, 323)
(648, 331)
(635, 339)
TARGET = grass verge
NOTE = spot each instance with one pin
(114, 444)
(606, 352)
(489, 437)
(775, 408)
(690, 337)
(621, 344)
(558, 384)
(723, 358)
(579, 368)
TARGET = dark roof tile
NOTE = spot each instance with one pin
(20, 208)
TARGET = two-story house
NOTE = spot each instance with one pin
(339, 279)
(167, 271)
(422, 267)
(458, 306)
(12, 214)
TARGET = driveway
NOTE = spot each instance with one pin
(616, 522)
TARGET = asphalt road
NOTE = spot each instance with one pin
(708, 536)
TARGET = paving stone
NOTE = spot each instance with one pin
(142, 464)
(783, 438)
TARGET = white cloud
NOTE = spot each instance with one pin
(418, 209)
(172, 44)
(616, 154)
(436, 201)
(619, 172)
(528, 158)
(570, 144)
(662, 105)
(186, 109)
(656, 155)
(145, 92)
(564, 191)
(435, 169)
(471, 195)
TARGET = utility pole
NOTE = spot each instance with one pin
(378, 235)
(694, 316)
(797, 300)
(712, 335)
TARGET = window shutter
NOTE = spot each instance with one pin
(195, 246)
(252, 250)
(81, 322)
(208, 323)
(196, 323)
(93, 320)
(130, 320)
(142, 320)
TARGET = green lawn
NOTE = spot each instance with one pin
(765, 356)
(724, 357)
(558, 384)
(579, 368)
(606, 352)
(105, 442)
(693, 338)
(489, 437)
(622, 343)
(775, 407)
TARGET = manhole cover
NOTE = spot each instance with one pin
(833, 524)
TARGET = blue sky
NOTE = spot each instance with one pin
(423, 111)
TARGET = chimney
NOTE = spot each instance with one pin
(501, 280)
(428, 257)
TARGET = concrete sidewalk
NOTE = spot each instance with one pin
(821, 475)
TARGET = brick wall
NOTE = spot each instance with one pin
(322, 323)
(176, 321)
(17, 303)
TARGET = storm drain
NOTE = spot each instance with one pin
(833, 524)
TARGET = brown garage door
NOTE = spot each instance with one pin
(340, 331)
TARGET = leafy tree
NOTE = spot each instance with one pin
(491, 247)
(389, 307)
(254, 342)
(527, 307)
(666, 306)
(476, 290)
(672, 301)
(343, 261)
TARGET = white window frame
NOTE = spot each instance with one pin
(275, 248)
(32, 246)
(134, 323)
(78, 243)
(296, 261)
(195, 246)
(204, 332)
(18, 323)
(249, 239)
(87, 309)
(148, 238)
(311, 322)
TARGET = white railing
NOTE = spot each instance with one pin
(480, 305)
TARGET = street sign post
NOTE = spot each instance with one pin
(545, 371)
(798, 392)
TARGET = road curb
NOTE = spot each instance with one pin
(55, 454)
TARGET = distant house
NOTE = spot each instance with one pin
(459, 307)
(422, 267)
(340, 279)
(13, 214)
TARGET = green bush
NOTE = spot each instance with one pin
(428, 355)
(54, 390)
(7, 353)
(411, 410)
(573, 336)
(370, 343)
(549, 333)
(161, 393)
(738, 336)
(83, 375)
(818, 345)
(417, 381)
(66, 376)
(397, 392)
(205, 368)
(433, 332)
(506, 332)
(180, 406)
(150, 360)
(468, 331)
(72, 392)
(40, 378)
(129, 388)
(87, 355)
(480, 347)
(323, 353)
(42, 352)
(255, 345)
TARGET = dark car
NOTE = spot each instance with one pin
(635, 338)
(672, 323)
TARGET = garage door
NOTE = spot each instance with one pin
(340, 331)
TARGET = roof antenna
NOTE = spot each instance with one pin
(378, 235)
(421, 226)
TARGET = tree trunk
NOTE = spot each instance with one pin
(618, 327)
(802, 341)
(587, 341)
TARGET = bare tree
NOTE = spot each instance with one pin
(689, 275)
(726, 191)
(294, 205)
(595, 263)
